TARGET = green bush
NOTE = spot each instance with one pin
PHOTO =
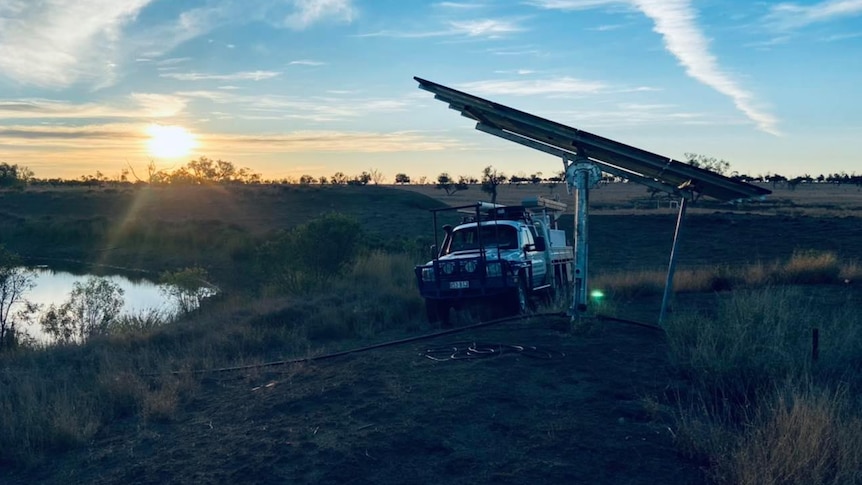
(311, 252)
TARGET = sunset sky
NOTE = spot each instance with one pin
(294, 87)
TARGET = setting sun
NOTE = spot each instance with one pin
(170, 141)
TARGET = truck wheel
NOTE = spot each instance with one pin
(437, 311)
(520, 301)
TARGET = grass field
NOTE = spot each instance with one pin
(599, 402)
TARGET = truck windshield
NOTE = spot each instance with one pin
(466, 239)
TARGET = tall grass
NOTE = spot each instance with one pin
(759, 409)
(803, 267)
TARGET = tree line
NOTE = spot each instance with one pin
(208, 171)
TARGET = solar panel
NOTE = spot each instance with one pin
(611, 156)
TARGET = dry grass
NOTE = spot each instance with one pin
(802, 268)
(804, 437)
(737, 419)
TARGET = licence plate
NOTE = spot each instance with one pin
(457, 285)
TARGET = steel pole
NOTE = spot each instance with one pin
(671, 267)
(582, 197)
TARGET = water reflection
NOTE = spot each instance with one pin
(54, 287)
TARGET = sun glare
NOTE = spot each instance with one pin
(170, 141)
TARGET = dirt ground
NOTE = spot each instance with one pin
(580, 408)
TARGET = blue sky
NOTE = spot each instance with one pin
(294, 87)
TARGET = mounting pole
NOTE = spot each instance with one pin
(581, 175)
(671, 267)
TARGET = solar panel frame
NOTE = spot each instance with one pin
(612, 156)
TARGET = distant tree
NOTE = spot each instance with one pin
(361, 179)
(13, 175)
(338, 178)
(775, 179)
(491, 179)
(536, 178)
(15, 309)
(306, 180)
(804, 179)
(201, 170)
(376, 176)
(323, 180)
(712, 164)
(207, 171)
(423, 180)
(444, 182)
(402, 178)
(518, 178)
(92, 307)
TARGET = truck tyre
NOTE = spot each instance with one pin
(437, 311)
(519, 302)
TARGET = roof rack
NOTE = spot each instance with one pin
(544, 202)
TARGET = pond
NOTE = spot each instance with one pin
(54, 287)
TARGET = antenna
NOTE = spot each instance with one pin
(585, 156)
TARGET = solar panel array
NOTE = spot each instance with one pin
(611, 156)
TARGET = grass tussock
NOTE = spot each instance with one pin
(806, 437)
(759, 408)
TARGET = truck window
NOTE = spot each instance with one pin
(492, 236)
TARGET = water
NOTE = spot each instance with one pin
(54, 287)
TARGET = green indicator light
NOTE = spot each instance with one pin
(597, 294)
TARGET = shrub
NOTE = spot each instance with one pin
(312, 252)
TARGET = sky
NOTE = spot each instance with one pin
(313, 87)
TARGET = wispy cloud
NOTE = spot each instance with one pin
(553, 86)
(306, 62)
(236, 76)
(572, 4)
(675, 21)
(139, 105)
(792, 15)
(477, 28)
(636, 115)
(65, 136)
(56, 43)
(319, 109)
(459, 5)
(485, 27)
(334, 141)
(309, 12)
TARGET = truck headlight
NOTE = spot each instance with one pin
(428, 274)
(493, 269)
(470, 266)
(448, 268)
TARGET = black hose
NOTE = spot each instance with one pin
(360, 349)
(631, 322)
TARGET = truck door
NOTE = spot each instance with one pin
(537, 258)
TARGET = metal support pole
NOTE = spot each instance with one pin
(582, 197)
(581, 175)
(671, 268)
